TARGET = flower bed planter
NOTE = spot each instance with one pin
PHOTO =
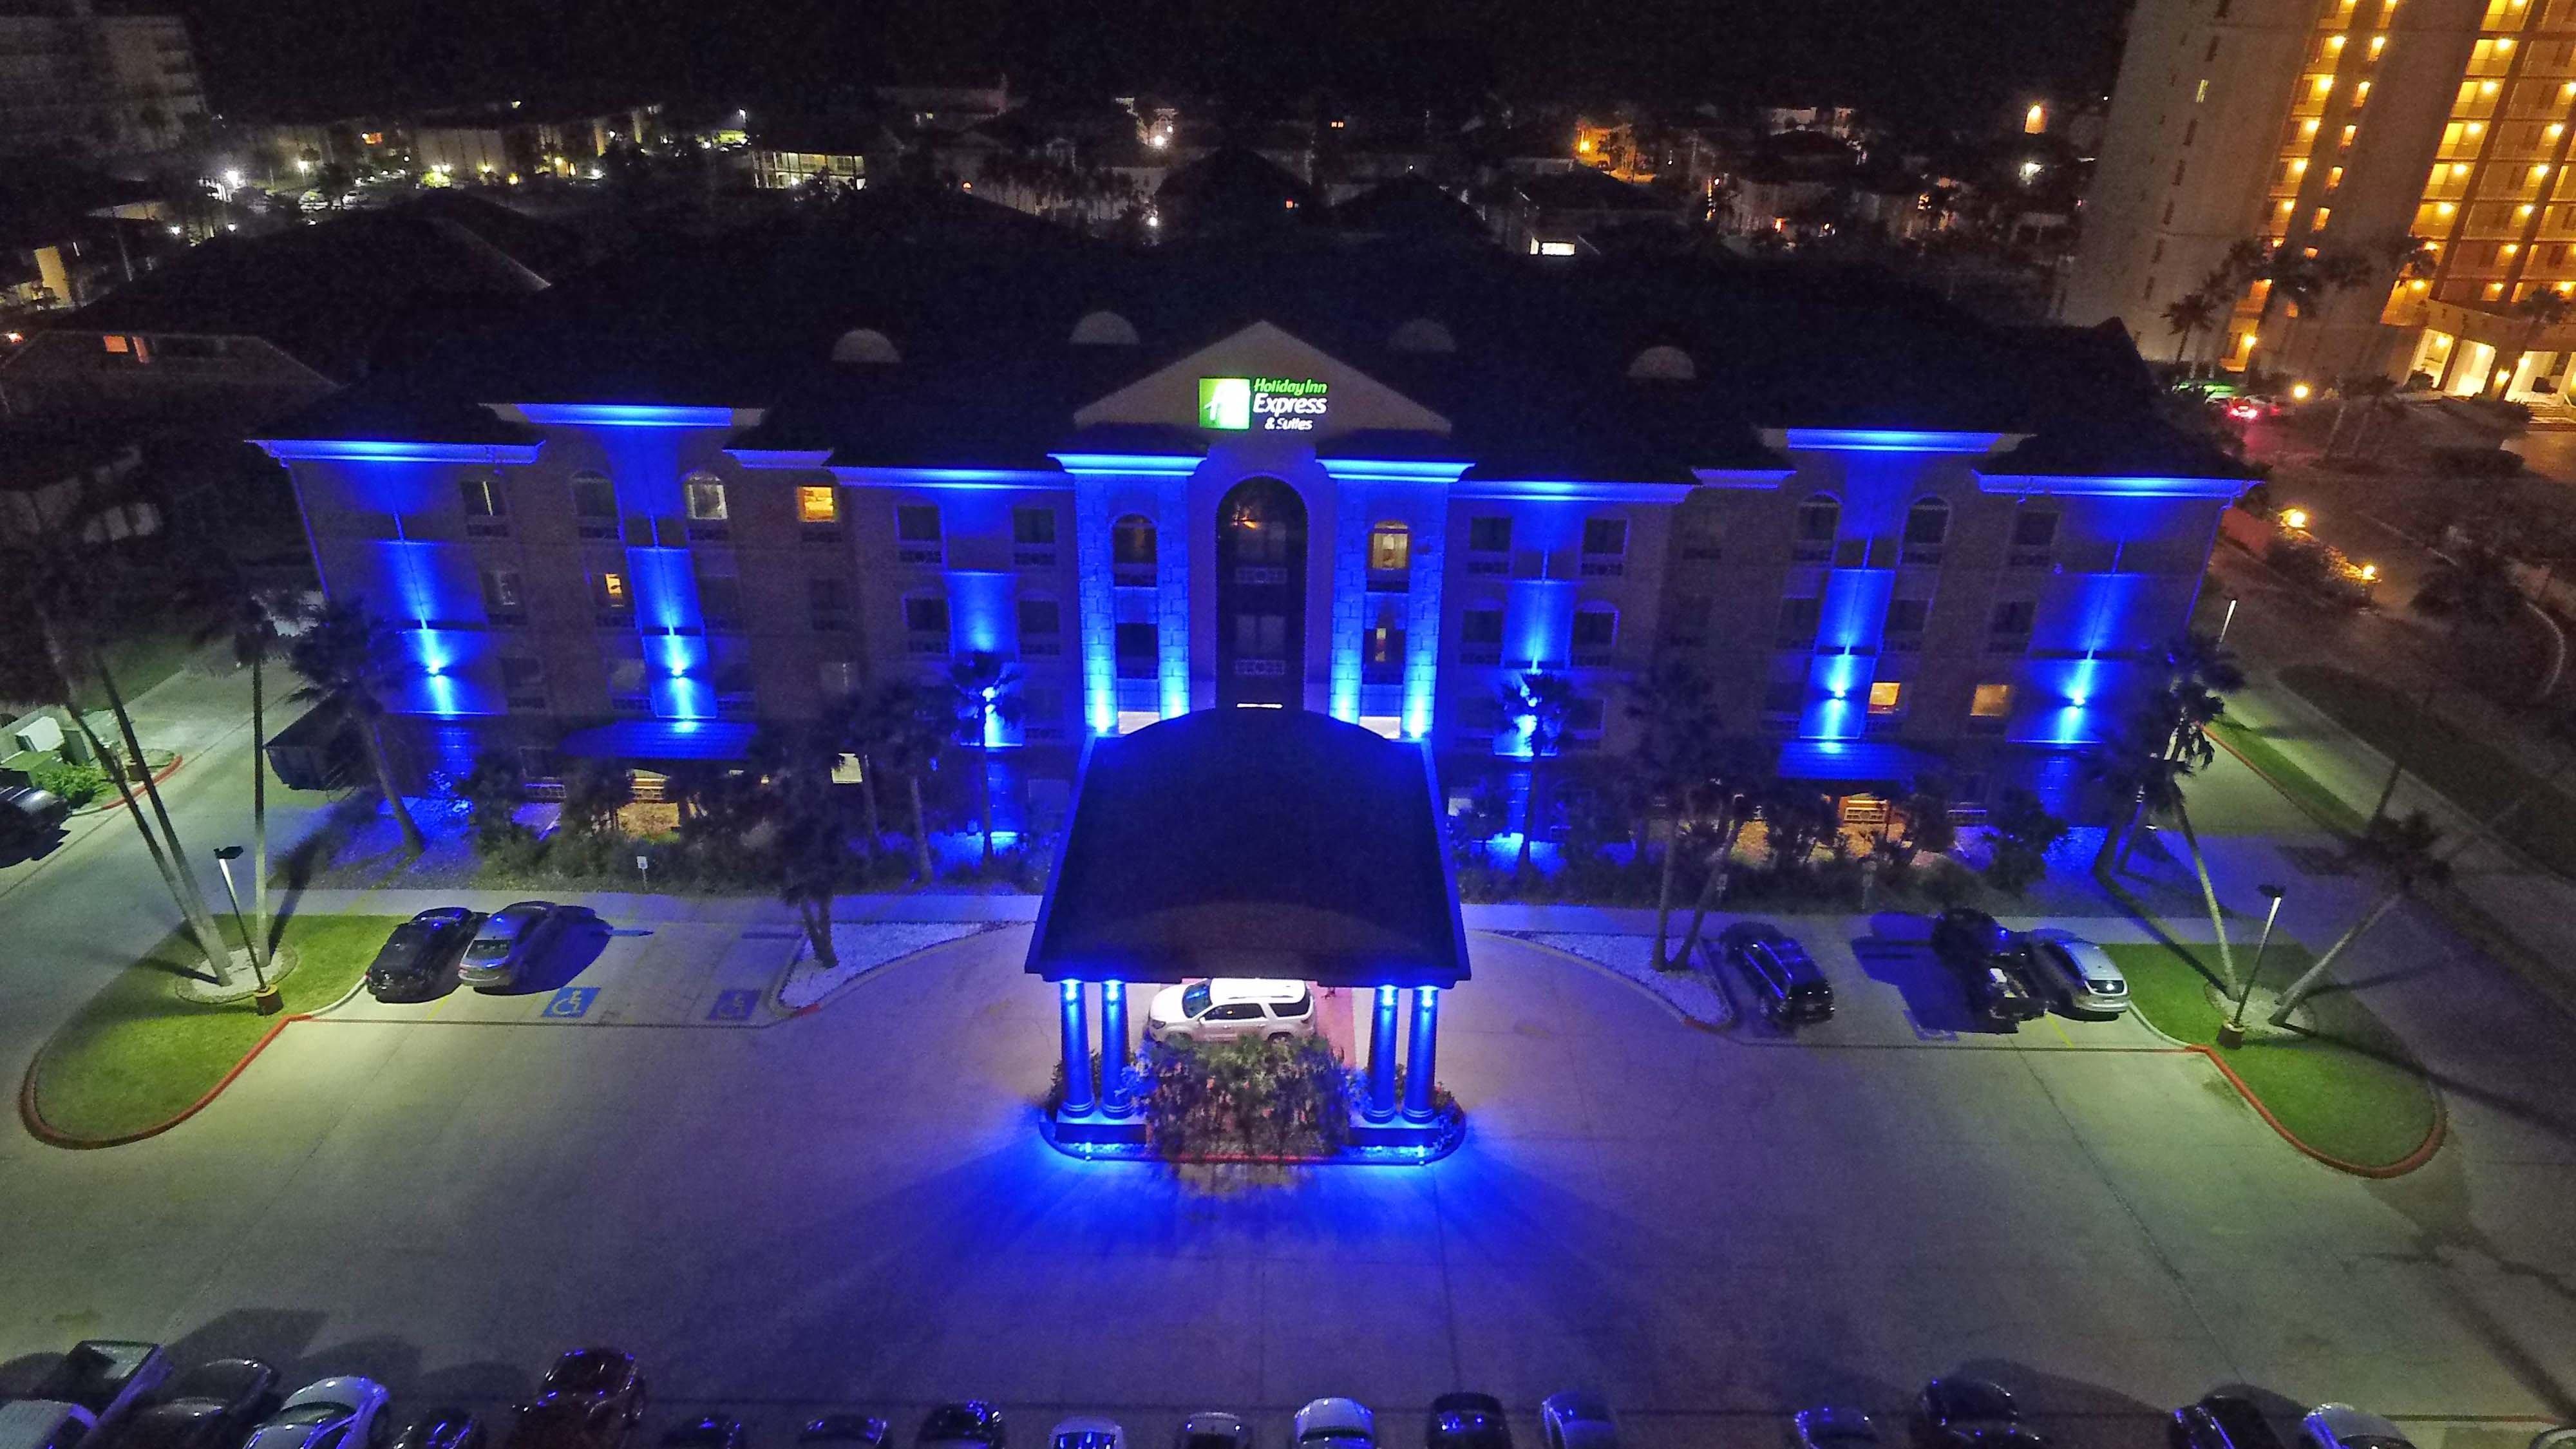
(1094, 1138)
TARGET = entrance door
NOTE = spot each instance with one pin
(1261, 596)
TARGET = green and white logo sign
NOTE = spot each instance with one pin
(1266, 404)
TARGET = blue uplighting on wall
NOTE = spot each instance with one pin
(1393, 470)
(303, 450)
(625, 415)
(1889, 440)
(2020, 484)
(1143, 464)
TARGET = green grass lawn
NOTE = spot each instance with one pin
(137, 1055)
(2350, 1091)
(2320, 803)
(2475, 775)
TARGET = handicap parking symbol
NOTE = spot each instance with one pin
(572, 1002)
(733, 1006)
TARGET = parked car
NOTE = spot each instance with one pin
(509, 938)
(1466, 1421)
(1789, 985)
(1966, 1413)
(347, 1412)
(419, 960)
(1087, 1433)
(855, 1431)
(1222, 1010)
(2341, 1426)
(1336, 1424)
(1966, 939)
(1575, 1419)
(2078, 974)
(30, 817)
(1979, 951)
(211, 1406)
(973, 1424)
(712, 1432)
(590, 1399)
(443, 1429)
(1213, 1431)
(44, 1424)
(109, 1377)
(2220, 1421)
(1831, 1427)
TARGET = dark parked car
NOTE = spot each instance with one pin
(855, 1431)
(30, 817)
(711, 1432)
(1983, 955)
(1789, 985)
(1466, 1421)
(590, 1399)
(1577, 1419)
(1211, 1429)
(212, 1406)
(443, 1429)
(2220, 1421)
(1965, 1413)
(1829, 1427)
(418, 961)
(108, 1377)
(974, 1422)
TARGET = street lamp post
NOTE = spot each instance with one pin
(2224, 623)
(2232, 1035)
(266, 997)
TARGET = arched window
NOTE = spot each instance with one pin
(1103, 329)
(705, 495)
(1819, 519)
(1421, 334)
(1390, 548)
(865, 344)
(1665, 364)
(1927, 523)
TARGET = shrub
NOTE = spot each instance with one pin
(76, 784)
(1277, 1099)
(2477, 462)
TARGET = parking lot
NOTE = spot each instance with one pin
(853, 1210)
(604, 973)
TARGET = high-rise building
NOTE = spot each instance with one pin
(2345, 129)
(77, 83)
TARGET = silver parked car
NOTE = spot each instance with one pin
(347, 1412)
(1221, 1010)
(1576, 1419)
(2078, 973)
(509, 938)
(2341, 1426)
(1336, 1423)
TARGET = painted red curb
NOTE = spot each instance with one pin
(117, 802)
(2423, 1153)
(45, 1132)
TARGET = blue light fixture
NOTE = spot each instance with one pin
(625, 415)
(1889, 440)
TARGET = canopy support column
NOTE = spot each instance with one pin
(1077, 1050)
(1422, 1055)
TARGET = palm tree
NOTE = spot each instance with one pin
(2372, 390)
(1678, 723)
(1541, 703)
(250, 618)
(898, 728)
(2470, 584)
(983, 688)
(812, 854)
(2191, 313)
(1739, 773)
(2403, 845)
(2541, 308)
(67, 587)
(349, 660)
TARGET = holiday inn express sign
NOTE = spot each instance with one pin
(1268, 404)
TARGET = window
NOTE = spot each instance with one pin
(2034, 533)
(1041, 617)
(819, 503)
(1927, 523)
(1605, 536)
(1819, 519)
(1137, 651)
(706, 499)
(1261, 636)
(1382, 653)
(626, 684)
(1033, 527)
(1784, 696)
(501, 592)
(1991, 701)
(1489, 535)
(1703, 535)
(828, 602)
(916, 532)
(593, 496)
(1390, 548)
(1886, 696)
(1480, 636)
(1131, 542)
(1798, 619)
(719, 598)
(1907, 616)
(839, 678)
(608, 593)
(1596, 632)
(520, 674)
(926, 615)
(2012, 621)
(1686, 621)
(481, 495)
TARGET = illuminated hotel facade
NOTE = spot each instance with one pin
(2346, 127)
(1381, 494)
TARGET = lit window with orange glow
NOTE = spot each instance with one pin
(1886, 696)
(818, 504)
(2349, 132)
(2377, 44)
(2334, 177)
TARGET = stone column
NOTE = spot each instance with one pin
(1379, 1105)
(1077, 1051)
(1113, 1049)
(1422, 1055)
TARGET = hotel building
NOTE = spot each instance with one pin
(2346, 126)
(1374, 482)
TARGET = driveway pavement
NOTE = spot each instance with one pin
(853, 1210)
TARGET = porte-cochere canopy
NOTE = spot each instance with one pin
(1253, 842)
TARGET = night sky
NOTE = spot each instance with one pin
(1958, 61)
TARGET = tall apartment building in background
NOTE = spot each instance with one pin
(2346, 127)
(77, 83)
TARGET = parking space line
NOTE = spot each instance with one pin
(2060, 1028)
